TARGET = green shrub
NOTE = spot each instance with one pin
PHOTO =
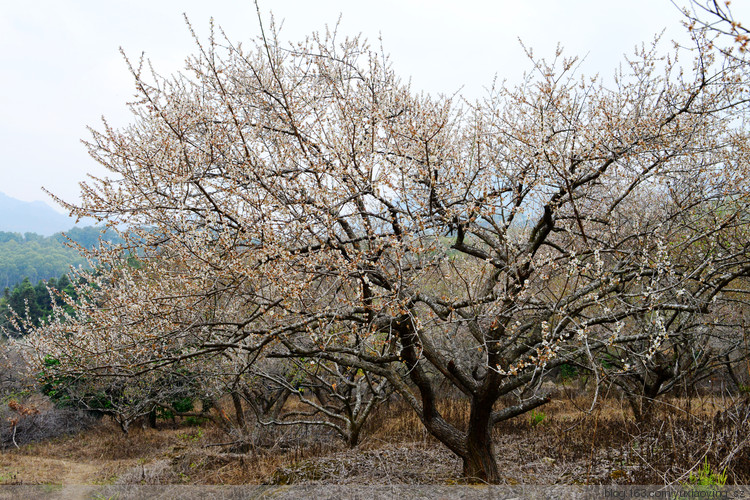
(537, 417)
(707, 477)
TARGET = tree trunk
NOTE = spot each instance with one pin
(239, 412)
(124, 425)
(644, 404)
(635, 401)
(475, 446)
(353, 439)
(152, 418)
(731, 372)
(479, 460)
(278, 405)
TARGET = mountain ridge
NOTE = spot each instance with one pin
(38, 217)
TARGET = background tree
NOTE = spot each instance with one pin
(331, 396)
(32, 303)
(305, 202)
(696, 348)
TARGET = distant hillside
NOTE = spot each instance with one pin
(37, 257)
(32, 217)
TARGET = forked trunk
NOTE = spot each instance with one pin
(475, 446)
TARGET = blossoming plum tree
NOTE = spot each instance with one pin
(302, 201)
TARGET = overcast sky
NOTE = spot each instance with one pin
(61, 69)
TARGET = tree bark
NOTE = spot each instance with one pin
(352, 439)
(479, 460)
(152, 418)
(239, 411)
(474, 446)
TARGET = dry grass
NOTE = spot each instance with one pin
(567, 441)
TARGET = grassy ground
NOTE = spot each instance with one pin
(569, 441)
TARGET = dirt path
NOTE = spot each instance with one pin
(78, 473)
(22, 469)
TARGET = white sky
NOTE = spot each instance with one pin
(60, 68)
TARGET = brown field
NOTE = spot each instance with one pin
(565, 442)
